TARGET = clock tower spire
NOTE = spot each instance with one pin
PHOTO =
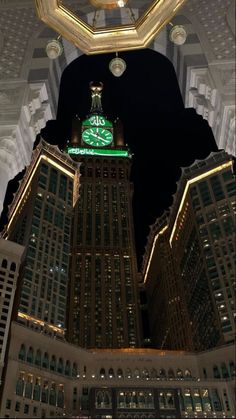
(96, 92)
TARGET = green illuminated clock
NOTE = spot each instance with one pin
(97, 136)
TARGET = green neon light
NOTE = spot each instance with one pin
(98, 152)
(97, 121)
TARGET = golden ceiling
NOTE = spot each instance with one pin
(95, 28)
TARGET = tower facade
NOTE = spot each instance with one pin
(190, 260)
(11, 257)
(40, 219)
(103, 304)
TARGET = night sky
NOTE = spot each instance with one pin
(161, 133)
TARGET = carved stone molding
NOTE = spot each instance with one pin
(17, 138)
(214, 105)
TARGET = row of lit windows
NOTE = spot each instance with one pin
(38, 389)
(104, 172)
(190, 400)
(56, 183)
(42, 360)
(224, 371)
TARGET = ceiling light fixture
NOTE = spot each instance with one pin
(54, 48)
(178, 35)
(117, 66)
(108, 4)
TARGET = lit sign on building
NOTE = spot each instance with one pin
(98, 152)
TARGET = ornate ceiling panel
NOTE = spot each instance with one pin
(96, 29)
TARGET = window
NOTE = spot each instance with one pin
(162, 373)
(166, 399)
(45, 392)
(224, 370)
(38, 357)
(29, 386)
(45, 360)
(187, 373)
(22, 353)
(37, 389)
(171, 373)
(128, 373)
(206, 401)
(60, 396)
(35, 411)
(197, 400)
(205, 193)
(74, 370)
(216, 400)
(4, 264)
(68, 368)
(13, 266)
(60, 366)
(8, 404)
(153, 374)
(26, 409)
(217, 188)
(17, 406)
(20, 385)
(53, 363)
(30, 355)
(232, 369)
(52, 394)
(187, 398)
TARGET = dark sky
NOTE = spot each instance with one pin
(161, 133)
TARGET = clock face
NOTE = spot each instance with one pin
(98, 137)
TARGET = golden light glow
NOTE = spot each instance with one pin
(140, 351)
(25, 192)
(153, 248)
(108, 4)
(40, 322)
(58, 166)
(190, 182)
(90, 40)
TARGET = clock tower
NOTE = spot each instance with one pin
(103, 294)
(96, 135)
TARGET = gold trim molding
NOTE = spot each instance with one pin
(92, 40)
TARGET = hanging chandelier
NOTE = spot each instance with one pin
(117, 66)
(101, 26)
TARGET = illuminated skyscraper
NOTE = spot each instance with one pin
(40, 219)
(103, 309)
(188, 269)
